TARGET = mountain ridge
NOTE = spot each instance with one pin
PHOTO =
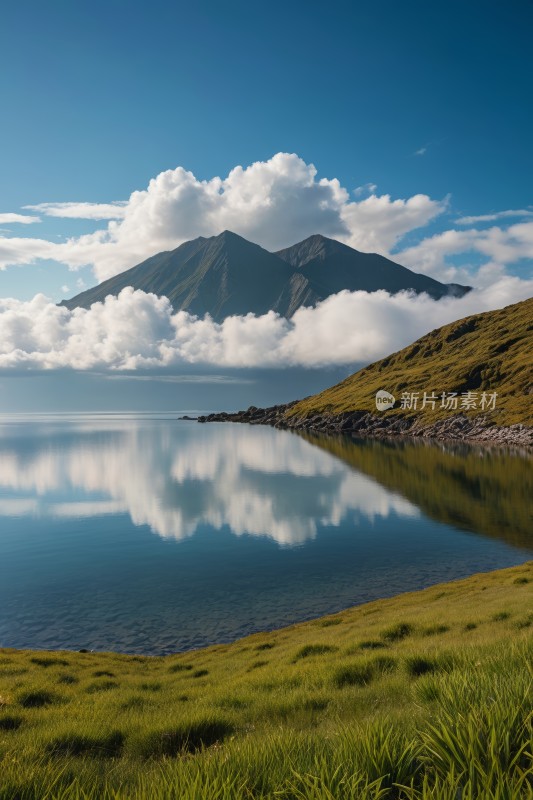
(227, 275)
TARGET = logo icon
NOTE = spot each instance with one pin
(384, 400)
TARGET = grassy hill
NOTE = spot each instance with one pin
(430, 691)
(489, 352)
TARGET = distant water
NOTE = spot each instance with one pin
(146, 534)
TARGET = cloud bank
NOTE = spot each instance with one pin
(274, 203)
(140, 331)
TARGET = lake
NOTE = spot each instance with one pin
(144, 534)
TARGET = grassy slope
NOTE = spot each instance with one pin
(484, 352)
(325, 706)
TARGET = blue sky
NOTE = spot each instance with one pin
(97, 98)
(404, 100)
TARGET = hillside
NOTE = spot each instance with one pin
(429, 690)
(490, 352)
(226, 275)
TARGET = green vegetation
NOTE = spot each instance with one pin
(489, 495)
(427, 695)
(486, 352)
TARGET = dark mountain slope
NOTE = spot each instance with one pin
(330, 266)
(222, 275)
(225, 275)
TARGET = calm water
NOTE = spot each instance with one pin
(152, 535)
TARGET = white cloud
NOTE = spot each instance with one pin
(498, 245)
(366, 188)
(376, 224)
(421, 151)
(65, 289)
(97, 211)
(22, 219)
(19, 250)
(519, 212)
(140, 331)
(274, 203)
(170, 378)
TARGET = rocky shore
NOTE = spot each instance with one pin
(363, 423)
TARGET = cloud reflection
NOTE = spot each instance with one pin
(177, 477)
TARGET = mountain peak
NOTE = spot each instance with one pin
(230, 236)
(315, 246)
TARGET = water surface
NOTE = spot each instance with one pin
(145, 534)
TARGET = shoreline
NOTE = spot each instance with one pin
(458, 428)
(363, 608)
(106, 726)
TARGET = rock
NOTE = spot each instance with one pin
(381, 426)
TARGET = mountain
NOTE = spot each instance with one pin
(222, 275)
(488, 352)
(329, 267)
(226, 274)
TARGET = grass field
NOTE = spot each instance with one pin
(427, 695)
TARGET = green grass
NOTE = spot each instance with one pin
(485, 352)
(427, 695)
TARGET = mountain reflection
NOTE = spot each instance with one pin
(176, 477)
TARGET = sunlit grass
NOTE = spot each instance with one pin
(488, 352)
(427, 695)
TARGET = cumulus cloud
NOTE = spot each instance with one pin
(140, 331)
(376, 224)
(274, 203)
(500, 246)
(22, 219)
(97, 211)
